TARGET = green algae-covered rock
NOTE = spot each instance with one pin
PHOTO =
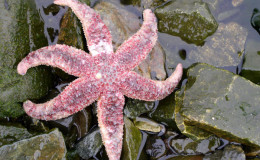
(45, 146)
(132, 141)
(191, 131)
(90, 145)
(147, 124)
(134, 107)
(190, 20)
(251, 66)
(21, 31)
(164, 112)
(190, 147)
(11, 133)
(223, 103)
(230, 152)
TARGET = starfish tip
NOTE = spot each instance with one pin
(21, 69)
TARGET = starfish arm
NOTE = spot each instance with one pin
(76, 96)
(73, 61)
(137, 47)
(138, 87)
(96, 32)
(110, 120)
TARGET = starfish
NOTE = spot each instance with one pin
(103, 75)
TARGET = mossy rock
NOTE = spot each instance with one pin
(222, 103)
(21, 32)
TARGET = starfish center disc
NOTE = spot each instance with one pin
(98, 75)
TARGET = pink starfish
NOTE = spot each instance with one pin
(103, 75)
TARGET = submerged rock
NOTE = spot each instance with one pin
(230, 152)
(90, 145)
(21, 31)
(190, 147)
(190, 20)
(251, 65)
(155, 147)
(45, 146)
(223, 103)
(255, 20)
(224, 48)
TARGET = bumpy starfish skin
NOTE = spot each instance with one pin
(103, 75)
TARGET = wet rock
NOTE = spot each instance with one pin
(190, 147)
(224, 48)
(218, 105)
(12, 133)
(255, 20)
(21, 31)
(230, 152)
(164, 112)
(155, 147)
(132, 141)
(189, 20)
(191, 131)
(45, 146)
(90, 145)
(134, 108)
(147, 124)
(122, 25)
(251, 65)
(74, 127)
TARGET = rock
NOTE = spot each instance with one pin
(255, 20)
(147, 124)
(90, 145)
(45, 146)
(224, 48)
(189, 147)
(122, 25)
(230, 152)
(155, 147)
(251, 65)
(191, 131)
(164, 112)
(12, 133)
(190, 20)
(218, 105)
(132, 141)
(21, 31)
(134, 107)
